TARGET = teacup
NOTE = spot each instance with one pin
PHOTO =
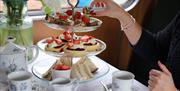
(20, 81)
(64, 84)
(122, 81)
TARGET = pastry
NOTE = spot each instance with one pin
(90, 43)
(54, 45)
(75, 48)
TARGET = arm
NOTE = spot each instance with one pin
(151, 47)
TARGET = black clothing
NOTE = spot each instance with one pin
(164, 46)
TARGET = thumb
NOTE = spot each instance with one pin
(163, 68)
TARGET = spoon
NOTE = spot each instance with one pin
(105, 87)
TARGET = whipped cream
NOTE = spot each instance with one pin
(92, 41)
(53, 44)
(75, 46)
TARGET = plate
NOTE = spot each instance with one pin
(75, 28)
(44, 65)
(41, 44)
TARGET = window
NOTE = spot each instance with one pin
(33, 6)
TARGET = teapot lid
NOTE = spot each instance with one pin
(11, 47)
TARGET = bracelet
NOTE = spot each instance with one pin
(128, 25)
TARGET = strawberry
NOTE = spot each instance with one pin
(69, 12)
(57, 67)
(58, 41)
(86, 19)
(67, 36)
(70, 44)
(85, 38)
(92, 13)
(76, 41)
(77, 15)
(64, 67)
(98, 4)
(54, 37)
(49, 41)
(67, 32)
(63, 17)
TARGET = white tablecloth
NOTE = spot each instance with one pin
(92, 85)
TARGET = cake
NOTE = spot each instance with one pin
(75, 48)
(54, 45)
(90, 43)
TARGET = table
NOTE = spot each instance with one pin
(92, 85)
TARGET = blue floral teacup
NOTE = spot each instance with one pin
(20, 81)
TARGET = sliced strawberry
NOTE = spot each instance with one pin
(91, 37)
(58, 67)
(102, 4)
(54, 37)
(69, 12)
(68, 32)
(76, 41)
(63, 17)
(98, 4)
(92, 12)
(49, 41)
(85, 38)
(58, 41)
(70, 44)
(67, 37)
(77, 15)
(64, 67)
(86, 19)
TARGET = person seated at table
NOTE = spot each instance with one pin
(164, 46)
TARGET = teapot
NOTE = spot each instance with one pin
(14, 57)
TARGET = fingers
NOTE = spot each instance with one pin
(163, 68)
(98, 4)
(155, 72)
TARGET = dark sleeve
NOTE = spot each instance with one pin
(153, 47)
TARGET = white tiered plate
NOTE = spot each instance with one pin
(44, 65)
(76, 28)
(41, 44)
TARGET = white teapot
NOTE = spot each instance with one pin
(14, 57)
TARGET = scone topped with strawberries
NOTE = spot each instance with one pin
(90, 43)
(75, 48)
(54, 44)
(67, 36)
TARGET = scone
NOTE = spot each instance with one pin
(75, 48)
(55, 45)
(90, 43)
(67, 36)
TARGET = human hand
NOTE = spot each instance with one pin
(161, 80)
(112, 9)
